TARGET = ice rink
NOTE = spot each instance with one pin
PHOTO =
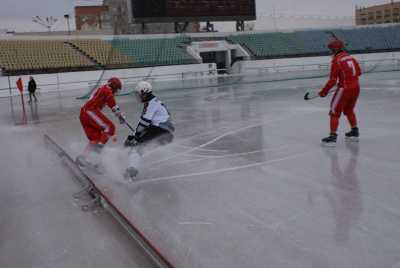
(245, 182)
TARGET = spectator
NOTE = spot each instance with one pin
(32, 89)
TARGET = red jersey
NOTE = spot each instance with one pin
(344, 68)
(101, 97)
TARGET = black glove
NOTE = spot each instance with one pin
(130, 141)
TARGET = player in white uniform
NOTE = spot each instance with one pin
(155, 125)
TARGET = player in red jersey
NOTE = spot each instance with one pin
(345, 71)
(98, 128)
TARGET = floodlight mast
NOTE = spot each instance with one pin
(47, 22)
(66, 16)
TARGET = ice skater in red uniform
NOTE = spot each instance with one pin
(98, 128)
(345, 71)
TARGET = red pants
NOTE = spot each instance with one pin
(97, 126)
(344, 101)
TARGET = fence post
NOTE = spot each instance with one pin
(9, 85)
(59, 92)
(11, 99)
(58, 82)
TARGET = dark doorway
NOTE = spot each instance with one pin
(217, 57)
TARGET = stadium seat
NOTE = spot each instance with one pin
(313, 42)
(34, 55)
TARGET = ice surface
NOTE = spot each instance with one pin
(246, 182)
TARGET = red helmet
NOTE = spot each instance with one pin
(336, 44)
(114, 83)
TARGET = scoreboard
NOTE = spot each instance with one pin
(192, 10)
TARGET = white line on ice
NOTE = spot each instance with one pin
(213, 157)
(202, 149)
(179, 143)
(195, 223)
(220, 170)
(220, 137)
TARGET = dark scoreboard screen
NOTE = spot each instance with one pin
(193, 10)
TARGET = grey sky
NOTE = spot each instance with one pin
(17, 14)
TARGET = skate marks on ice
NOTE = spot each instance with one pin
(228, 169)
(115, 160)
(258, 123)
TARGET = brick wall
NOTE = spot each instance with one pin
(89, 17)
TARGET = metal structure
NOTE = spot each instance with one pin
(67, 17)
(47, 22)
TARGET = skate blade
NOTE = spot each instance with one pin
(328, 144)
(352, 139)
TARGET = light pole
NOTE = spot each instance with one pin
(66, 16)
(47, 22)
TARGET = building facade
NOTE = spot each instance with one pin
(92, 18)
(379, 14)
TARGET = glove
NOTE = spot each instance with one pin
(322, 94)
(130, 141)
(117, 112)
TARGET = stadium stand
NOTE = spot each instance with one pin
(313, 42)
(33, 56)
(392, 35)
(153, 52)
(277, 45)
(101, 52)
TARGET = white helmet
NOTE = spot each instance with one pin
(144, 87)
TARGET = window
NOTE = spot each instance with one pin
(371, 16)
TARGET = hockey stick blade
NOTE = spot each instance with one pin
(307, 96)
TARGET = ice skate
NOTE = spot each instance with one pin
(352, 135)
(130, 173)
(329, 141)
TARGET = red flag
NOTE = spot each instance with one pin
(20, 86)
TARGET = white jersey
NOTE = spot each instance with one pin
(155, 114)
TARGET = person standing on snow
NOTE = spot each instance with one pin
(345, 72)
(98, 128)
(32, 89)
